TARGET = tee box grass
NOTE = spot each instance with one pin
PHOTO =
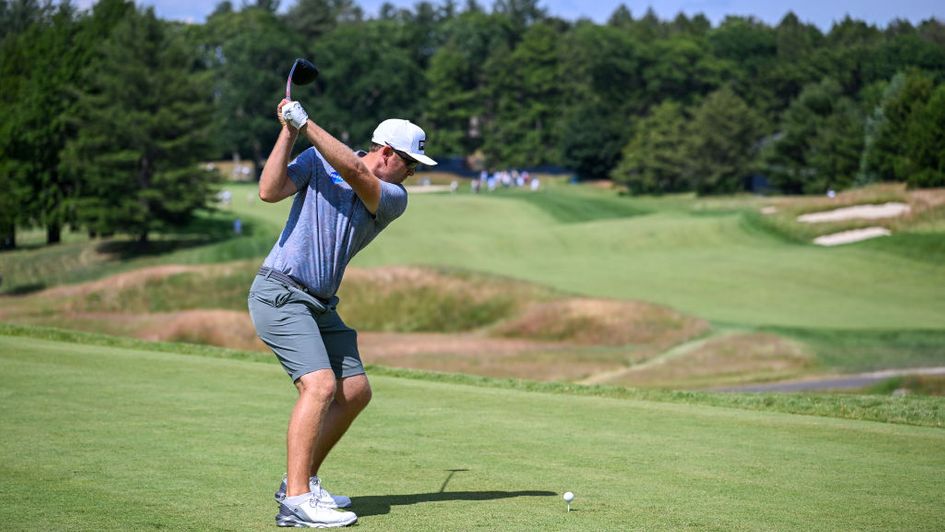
(101, 438)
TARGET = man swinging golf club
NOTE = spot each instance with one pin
(342, 201)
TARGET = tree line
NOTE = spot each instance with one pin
(108, 111)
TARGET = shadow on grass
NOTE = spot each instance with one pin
(23, 289)
(381, 504)
(203, 231)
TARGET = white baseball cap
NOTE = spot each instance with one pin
(404, 136)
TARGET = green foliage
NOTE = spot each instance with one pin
(835, 149)
(458, 97)
(312, 19)
(601, 69)
(453, 101)
(925, 142)
(722, 142)
(883, 157)
(681, 69)
(819, 143)
(655, 159)
(39, 66)
(248, 54)
(145, 177)
(368, 77)
(517, 135)
(511, 82)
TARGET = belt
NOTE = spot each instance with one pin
(291, 281)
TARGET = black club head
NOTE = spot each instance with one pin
(304, 72)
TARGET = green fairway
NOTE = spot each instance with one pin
(711, 263)
(98, 437)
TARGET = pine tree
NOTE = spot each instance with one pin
(144, 124)
(723, 140)
(654, 161)
(40, 64)
(925, 142)
(883, 157)
(526, 89)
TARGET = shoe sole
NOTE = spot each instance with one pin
(293, 522)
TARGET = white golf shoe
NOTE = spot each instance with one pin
(327, 499)
(312, 514)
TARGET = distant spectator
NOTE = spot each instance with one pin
(238, 226)
(454, 186)
(535, 184)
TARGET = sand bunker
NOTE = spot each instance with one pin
(848, 237)
(857, 212)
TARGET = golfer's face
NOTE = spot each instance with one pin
(405, 165)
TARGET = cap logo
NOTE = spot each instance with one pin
(421, 143)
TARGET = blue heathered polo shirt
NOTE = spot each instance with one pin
(328, 224)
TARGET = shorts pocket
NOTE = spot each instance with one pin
(275, 297)
(316, 306)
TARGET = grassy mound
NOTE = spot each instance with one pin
(415, 299)
(586, 321)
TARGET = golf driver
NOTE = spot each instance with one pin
(303, 72)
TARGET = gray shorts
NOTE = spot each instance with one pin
(305, 334)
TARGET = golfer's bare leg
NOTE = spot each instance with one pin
(353, 395)
(316, 391)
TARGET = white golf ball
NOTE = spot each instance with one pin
(568, 496)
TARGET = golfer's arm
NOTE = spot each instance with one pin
(352, 169)
(274, 183)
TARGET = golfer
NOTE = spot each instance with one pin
(342, 201)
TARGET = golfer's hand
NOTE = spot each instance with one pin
(293, 114)
(279, 111)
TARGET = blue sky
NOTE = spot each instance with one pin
(820, 12)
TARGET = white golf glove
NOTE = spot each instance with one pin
(294, 115)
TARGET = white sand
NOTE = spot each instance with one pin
(857, 212)
(848, 237)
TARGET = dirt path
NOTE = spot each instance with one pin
(680, 350)
(836, 382)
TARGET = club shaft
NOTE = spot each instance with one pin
(288, 82)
